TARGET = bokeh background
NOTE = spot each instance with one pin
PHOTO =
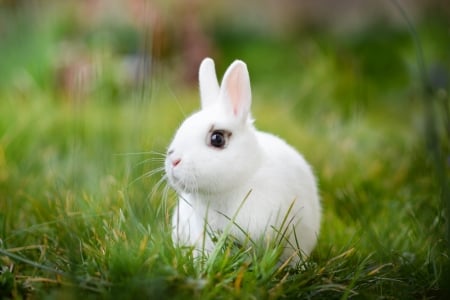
(75, 47)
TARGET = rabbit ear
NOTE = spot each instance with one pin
(209, 86)
(235, 90)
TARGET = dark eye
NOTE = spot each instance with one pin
(218, 138)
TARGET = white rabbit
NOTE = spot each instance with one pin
(218, 161)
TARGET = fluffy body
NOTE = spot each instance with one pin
(256, 167)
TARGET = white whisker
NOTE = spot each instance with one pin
(150, 160)
(139, 153)
(158, 184)
(151, 173)
(148, 174)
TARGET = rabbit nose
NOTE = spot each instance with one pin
(176, 162)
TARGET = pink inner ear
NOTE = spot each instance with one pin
(235, 91)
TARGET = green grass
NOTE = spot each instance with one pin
(80, 215)
(74, 203)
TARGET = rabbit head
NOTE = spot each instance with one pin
(216, 148)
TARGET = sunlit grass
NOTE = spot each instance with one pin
(78, 216)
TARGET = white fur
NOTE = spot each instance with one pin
(212, 183)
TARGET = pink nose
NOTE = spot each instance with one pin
(176, 162)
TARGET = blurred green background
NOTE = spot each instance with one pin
(92, 91)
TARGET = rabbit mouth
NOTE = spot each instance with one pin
(180, 184)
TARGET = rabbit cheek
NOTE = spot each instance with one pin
(180, 175)
(176, 182)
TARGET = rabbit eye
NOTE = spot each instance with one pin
(219, 139)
